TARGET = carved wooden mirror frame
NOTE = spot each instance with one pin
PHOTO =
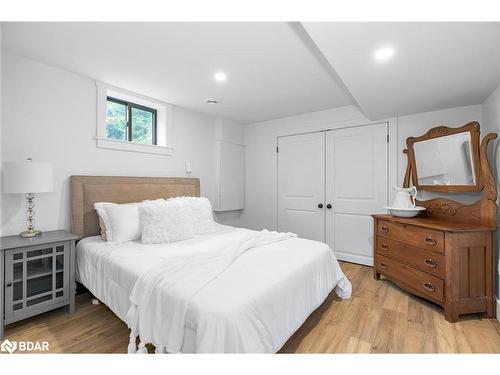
(443, 131)
(482, 212)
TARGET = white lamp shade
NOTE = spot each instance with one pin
(27, 177)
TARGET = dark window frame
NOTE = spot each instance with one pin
(129, 106)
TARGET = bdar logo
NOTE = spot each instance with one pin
(8, 346)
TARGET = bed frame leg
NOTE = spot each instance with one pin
(132, 346)
(142, 349)
(160, 350)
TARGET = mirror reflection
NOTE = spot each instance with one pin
(445, 160)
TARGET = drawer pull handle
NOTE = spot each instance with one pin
(429, 287)
(430, 263)
(430, 241)
(385, 229)
(383, 265)
(384, 247)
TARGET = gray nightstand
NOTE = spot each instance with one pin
(36, 275)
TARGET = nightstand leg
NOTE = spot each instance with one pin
(2, 295)
(72, 283)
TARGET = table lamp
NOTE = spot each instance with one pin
(28, 177)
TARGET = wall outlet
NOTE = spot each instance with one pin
(188, 167)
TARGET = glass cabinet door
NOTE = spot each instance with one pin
(34, 278)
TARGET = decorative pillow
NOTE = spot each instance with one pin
(120, 221)
(102, 226)
(200, 210)
(165, 221)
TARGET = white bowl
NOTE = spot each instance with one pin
(405, 212)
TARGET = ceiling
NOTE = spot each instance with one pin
(276, 69)
(435, 65)
(270, 72)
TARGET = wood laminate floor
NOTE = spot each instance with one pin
(379, 318)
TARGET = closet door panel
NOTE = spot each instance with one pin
(301, 185)
(356, 181)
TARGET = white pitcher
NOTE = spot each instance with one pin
(405, 197)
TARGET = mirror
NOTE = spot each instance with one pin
(446, 159)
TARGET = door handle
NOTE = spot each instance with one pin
(320, 205)
(329, 206)
(8, 285)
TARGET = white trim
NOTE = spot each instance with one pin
(352, 258)
(115, 144)
(393, 153)
(146, 99)
(164, 121)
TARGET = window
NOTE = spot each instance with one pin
(126, 121)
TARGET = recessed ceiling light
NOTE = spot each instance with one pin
(220, 77)
(383, 54)
(211, 101)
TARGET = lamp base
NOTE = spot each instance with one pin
(29, 234)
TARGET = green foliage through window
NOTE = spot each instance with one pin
(127, 121)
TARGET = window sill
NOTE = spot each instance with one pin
(114, 144)
(228, 208)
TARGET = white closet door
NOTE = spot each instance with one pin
(301, 185)
(357, 177)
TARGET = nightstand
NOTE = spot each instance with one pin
(37, 275)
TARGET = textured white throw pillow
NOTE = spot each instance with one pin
(201, 214)
(121, 221)
(165, 221)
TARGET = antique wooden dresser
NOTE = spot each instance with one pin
(445, 255)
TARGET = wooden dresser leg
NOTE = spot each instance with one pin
(491, 308)
(450, 315)
(376, 275)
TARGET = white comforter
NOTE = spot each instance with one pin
(236, 295)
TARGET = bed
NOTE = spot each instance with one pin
(253, 306)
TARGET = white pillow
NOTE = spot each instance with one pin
(121, 221)
(201, 214)
(165, 221)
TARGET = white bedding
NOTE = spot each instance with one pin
(263, 297)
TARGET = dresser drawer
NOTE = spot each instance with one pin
(417, 281)
(421, 259)
(412, 235)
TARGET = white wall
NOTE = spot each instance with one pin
(229, 131)
(491, 122)
(49, 114)
(261, 160)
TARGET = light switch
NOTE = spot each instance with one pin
(188, 167)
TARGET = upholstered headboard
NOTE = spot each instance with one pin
(87, 190)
